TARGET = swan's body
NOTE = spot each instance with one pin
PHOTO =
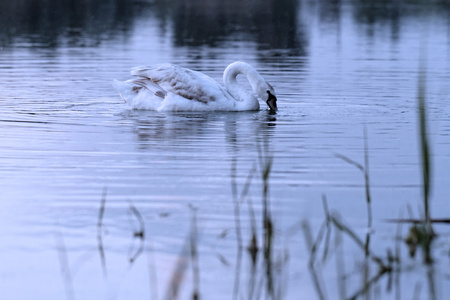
(168, 87)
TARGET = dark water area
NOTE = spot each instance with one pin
(98, 201)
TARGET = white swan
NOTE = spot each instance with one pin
(168, 87)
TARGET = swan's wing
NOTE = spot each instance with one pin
(186, 83)
(142, 82)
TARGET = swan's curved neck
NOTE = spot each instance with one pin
(234, 88)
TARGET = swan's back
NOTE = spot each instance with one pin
(185, 83)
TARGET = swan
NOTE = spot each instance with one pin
(168, 87)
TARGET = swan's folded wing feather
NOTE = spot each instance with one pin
(143, 82)
(186, 83)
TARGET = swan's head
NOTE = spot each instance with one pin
(261, 87)
(267, 93)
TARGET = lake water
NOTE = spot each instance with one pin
(67, 141)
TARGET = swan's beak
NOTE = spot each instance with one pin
(272, 102)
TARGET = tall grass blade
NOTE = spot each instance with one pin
(178, 274)
(189, 254)
(424, 146)
(367, 181)
(365, 170)
(266, 160)
(65, 270)
(328, 223)
(194, 256)
(426, 164)
(344, 228)
(237, 217)
(101, 250)
(237, 221)
(317, 280)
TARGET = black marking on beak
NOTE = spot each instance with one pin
(272, 102)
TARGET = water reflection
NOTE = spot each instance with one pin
(157, 130)
(389, 15)
(277, 28)
(45, 23)
(271, 24)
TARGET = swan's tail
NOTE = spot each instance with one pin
(125, 90)
(140, 93)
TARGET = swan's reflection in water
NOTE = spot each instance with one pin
(187, 131)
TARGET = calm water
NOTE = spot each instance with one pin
(66, 137)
